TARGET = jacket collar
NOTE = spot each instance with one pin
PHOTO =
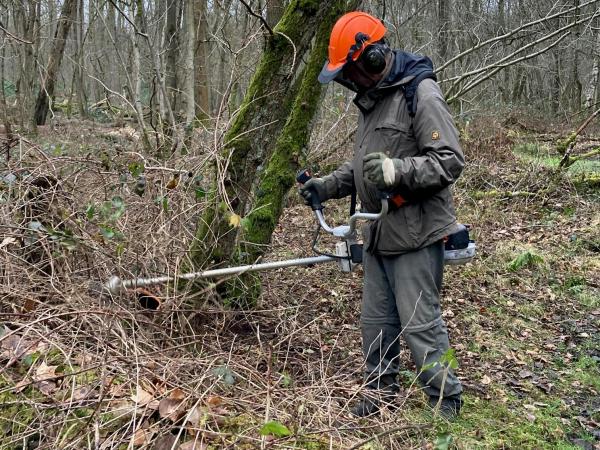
(403, 68)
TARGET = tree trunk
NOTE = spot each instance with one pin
(67, 16)
(189, 73)
(188, 62)
(80, 69)
(28, 14)
(575, 86)
(502, 27)
(255, 137)
(275, 10)
(3, 108)
(443, 26)
(137, 75)
(112, 82)
(201, 88)
(590, 92)
(171, 54)
(555, 87)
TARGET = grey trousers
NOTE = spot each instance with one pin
(403, 293)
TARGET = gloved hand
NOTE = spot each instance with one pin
(380, 170)
(310, 187)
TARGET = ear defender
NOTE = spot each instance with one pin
(373, 57)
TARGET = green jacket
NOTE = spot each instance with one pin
(432, 160)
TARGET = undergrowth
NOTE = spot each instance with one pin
(80, 371)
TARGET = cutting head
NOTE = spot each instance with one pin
(114, 285)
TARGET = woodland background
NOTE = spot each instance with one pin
(146, 138)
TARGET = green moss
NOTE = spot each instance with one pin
(278, 178)
(544, 156)
(563, 144)
(248, 140)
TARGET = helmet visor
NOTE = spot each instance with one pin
(329, 72)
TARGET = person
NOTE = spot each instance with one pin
(406, 145)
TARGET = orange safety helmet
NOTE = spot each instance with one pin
(350, 35)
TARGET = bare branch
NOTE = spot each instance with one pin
(502, 63)
(126, 17)
(510, 33)
(258, 16)
(9, 34)
(502, 66)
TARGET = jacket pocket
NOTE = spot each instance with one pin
(414, 222)
(394, 139)
(401, 230)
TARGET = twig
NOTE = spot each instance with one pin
(387, 432)
(258, 16)
(509, 34)
(483, 78)
(16, 38)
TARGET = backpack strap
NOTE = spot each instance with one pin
(410, 91)
(353, 200)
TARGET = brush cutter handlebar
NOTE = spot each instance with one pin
(343, 231)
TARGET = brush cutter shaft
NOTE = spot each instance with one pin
(346, 232)
(115, 284)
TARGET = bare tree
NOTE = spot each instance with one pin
(274, 11)
(201, 86)
(46, 92)
(443, 26)
(172, 45)
(189, 78)
(591, 89)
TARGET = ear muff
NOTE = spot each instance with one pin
(373, 58)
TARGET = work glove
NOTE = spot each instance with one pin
(380, 170)
(310, 187)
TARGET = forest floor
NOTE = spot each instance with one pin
(79, 372)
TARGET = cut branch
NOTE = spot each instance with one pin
(569, 160)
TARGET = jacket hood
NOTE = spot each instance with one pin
(406, 66)
(407, 71)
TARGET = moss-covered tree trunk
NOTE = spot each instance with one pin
(262, 147)
(279, 175)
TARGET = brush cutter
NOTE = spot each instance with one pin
(348, 251)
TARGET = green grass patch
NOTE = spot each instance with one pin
(542, 155)
(488, 424)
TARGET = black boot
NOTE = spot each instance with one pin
(449, 407)
(381, 392)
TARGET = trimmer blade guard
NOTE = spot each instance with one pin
(459, 248)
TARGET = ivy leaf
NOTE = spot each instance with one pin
(224, 374)
(30, 359)
(90, 211)
(118, 206)
(200, 193)
(36, 225)
(136, 169)
(235, 220)
(107, 232)
(274, 428)
(245, 223)
(443, 441)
